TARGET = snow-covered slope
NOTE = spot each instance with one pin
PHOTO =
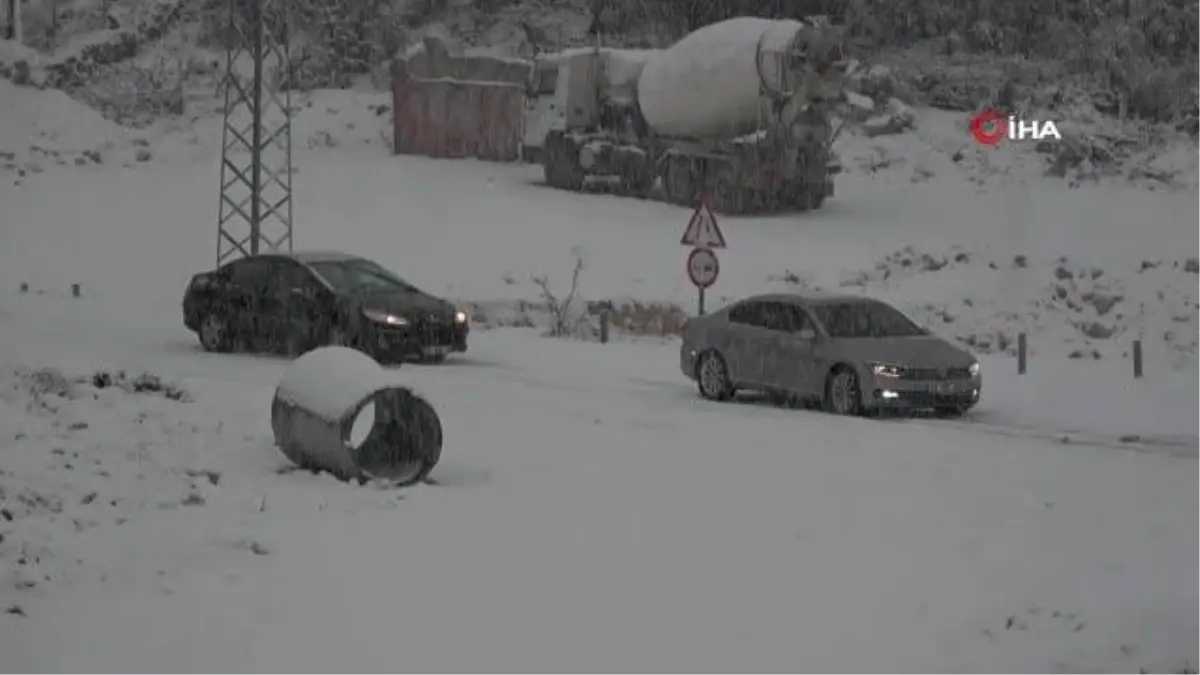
(1083, 269)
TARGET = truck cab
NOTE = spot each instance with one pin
(562, 95)
(543, 109)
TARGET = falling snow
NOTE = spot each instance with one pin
(590, 511)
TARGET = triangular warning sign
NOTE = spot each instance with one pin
(702, 230)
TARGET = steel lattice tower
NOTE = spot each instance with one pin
(255, 214)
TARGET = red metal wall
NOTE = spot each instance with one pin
(444, 117)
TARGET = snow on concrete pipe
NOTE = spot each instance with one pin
(337, 410)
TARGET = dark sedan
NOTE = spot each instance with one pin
(293, 302)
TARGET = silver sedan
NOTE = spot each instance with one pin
(848, 353)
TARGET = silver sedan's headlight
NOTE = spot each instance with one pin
(973, 369)
(460, 317)
(886, 370)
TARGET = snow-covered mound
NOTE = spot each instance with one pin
(1071, 309)
(69, 465)
(43, 128)
(919, 144)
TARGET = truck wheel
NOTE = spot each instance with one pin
(805, 196)
(560, 165)
(678, 182)
(728, 196)
(637, 182)
(812, 197)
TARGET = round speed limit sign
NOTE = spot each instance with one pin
(702, 267)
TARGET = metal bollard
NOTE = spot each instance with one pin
(1137, 359)
(337, 410)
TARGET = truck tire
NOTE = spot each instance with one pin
(727, 194)
(638, 181)
(799, 195)
(560, 163)
(809, 196)
(679, 181)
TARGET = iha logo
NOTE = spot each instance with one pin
(989, 127)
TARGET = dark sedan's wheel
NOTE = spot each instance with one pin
(712, 377)
(214, 334)
(842, 393)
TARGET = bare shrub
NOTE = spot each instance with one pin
(658, 319)
(565, 318)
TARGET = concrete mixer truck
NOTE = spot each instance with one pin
(737, 112)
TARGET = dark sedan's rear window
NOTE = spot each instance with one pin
(864, 320)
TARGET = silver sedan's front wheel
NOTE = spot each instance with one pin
(842, 394)
(713, 377)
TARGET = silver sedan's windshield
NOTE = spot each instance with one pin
(864, 320)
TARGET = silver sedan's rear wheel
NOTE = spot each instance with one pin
(842, 393)
(712, 377)
(214, 333)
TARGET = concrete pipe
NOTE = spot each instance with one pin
(337, 410)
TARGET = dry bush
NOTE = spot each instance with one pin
(565, 317)
(659, 319)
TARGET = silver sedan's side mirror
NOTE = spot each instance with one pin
(806, 334)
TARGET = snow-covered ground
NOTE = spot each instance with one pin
(590, 512)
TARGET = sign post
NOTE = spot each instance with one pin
(703, 235)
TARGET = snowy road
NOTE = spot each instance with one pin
(593, 513)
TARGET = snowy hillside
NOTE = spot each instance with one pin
(1085, 270)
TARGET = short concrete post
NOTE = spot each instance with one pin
(604, 314)
(1137, 359)
(1021, 353)
(75, 290)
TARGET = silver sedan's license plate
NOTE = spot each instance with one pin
(947, 388)
(437, 350)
